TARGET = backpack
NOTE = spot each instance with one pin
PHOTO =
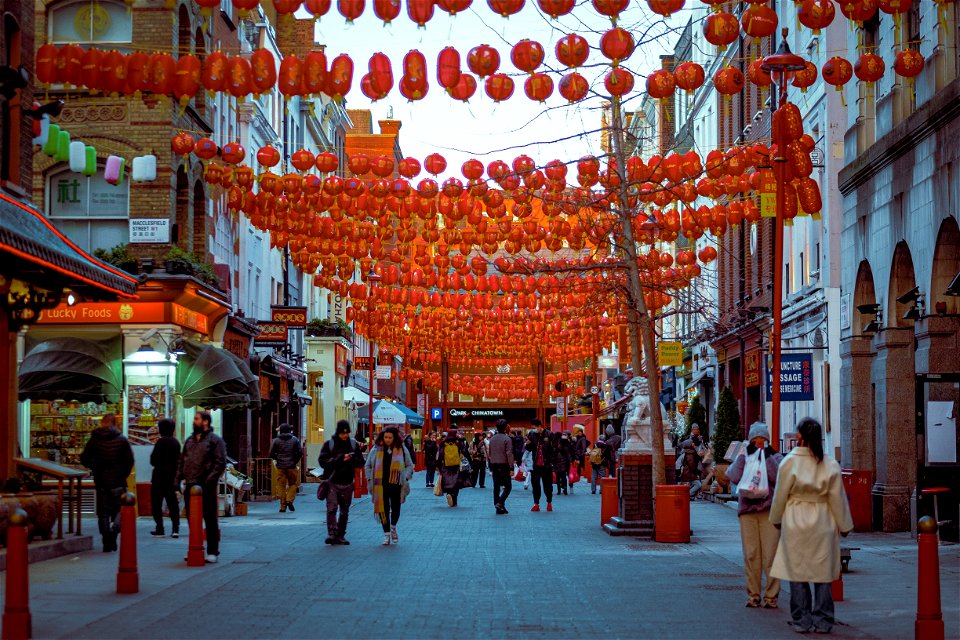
(596, 456)
(451, 455)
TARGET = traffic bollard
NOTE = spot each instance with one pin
(929, 623)
(17, 624)
(195, 551)
(836, 589)
(128, 577)
(357, 483)
(609, 500)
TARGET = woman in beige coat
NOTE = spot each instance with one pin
(811, 507)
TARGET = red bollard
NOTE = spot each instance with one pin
(357, 483)
(195, 551)
(929, 623)
(609, 500)
(836, 589)
(128, 578)
(17, 624)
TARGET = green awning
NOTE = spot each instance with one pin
(71, 369)
(214, 378)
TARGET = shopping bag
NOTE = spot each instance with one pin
(520, 476)
(754, 484)
(574, 475)
(438, 488)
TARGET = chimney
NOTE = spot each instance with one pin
(389, 127)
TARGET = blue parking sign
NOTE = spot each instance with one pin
(436, 413)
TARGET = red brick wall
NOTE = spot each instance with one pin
(20, 12)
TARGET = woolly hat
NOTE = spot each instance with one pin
(759, 430)
(343, 427)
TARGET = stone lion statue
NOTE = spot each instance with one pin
(638, 426)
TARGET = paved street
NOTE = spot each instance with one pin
(462, 573)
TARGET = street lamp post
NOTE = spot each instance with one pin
(781, 66)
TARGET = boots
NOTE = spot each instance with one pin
(393, 534)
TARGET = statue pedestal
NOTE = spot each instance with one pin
(636, 493)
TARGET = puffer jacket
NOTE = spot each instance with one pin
(203, 460)
(286, 450)
(108, 454)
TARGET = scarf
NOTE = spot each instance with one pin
(396, 468)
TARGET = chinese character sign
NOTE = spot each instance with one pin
(796, 377)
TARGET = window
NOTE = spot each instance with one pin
(87, 209)
(91, 21)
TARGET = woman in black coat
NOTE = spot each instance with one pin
(562, 460)
(430, 457)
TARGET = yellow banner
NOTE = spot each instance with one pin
(670, 354)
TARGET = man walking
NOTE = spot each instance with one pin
(611, 450)
(203, 461)
(286, 451)
(109, 456)
(478, 460)
(430, 457)
(165, 459)
(501, 466)
(543, 454)
(340, 457)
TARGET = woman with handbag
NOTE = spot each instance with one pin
(389, 470)
(450, 457)
(810, 507)
(757, 534)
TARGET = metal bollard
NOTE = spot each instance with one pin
(195, 550)
(128, 577)
(17, 623)
(929, 623)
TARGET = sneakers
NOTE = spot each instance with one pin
(549, 506)
(175, 534)
(386, 539)
(283, 509)
(291, 507)
(449, 500)
(211, 558)
(158, 533)
(393, 534)
(536, 508)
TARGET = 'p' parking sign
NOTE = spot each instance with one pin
(436, 413)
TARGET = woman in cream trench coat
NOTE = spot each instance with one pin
(810, 506)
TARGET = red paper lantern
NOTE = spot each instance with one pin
(858, 11)
(453, 7)
(214, 72)
(837, 72)
(619, 81)
(660, 84)
(448, 68)
(757, 75)
(351, 9)
(894, 7)
(415, 71)
(816, 14)
(869, 67)
(233, 153)
(316, 8)
(264, 71)
(113, 70)
(435, 164)
(908, 63)
(556, 8)
(527, 55)
(465, 88)
(182, 144)
(665, 8)
(689, 76)
(386, 10)
(290, 78)
(728, 81)
(340, 77)
(70, 65)
(806, 77)
(759, 21)
(239, 77)
(205, 149)
(505, 8)
(187, 82)
(538, 87)
(499, 87)
(472, 169)
(283, 7)
(483, 60)
(327, 162)
(163, 70)
(381, 73)
(90, 69)
(610, 8)
(721, 29)
(359, 164)
(420, 11)
(314, 73)
(367, 89)
(573, 87)
(616, 44)
(572, 50)
(302, 160)
(46, 64)
(409, 168)
(411, 93)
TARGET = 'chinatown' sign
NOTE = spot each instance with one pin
(293, 317)
(271, 334)
(796, 377)
(476, 413)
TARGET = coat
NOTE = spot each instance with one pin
(501, 450)
(336, 468)
(165, 459)
(811, 506)
(286, 450)
(108, 454)
(406, 474)
(203, 460)
(450, 477)
(430, 454)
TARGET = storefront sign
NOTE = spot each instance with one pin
(362, 363)
(147, 230)
(422, 404)
(751, 374)
(293, 317)
(384, 372)
(271, 334)
(340, 359)
(561, 406)
(670, 354)
(845, 311)
(126, 313)
(476, 413)
(796, 377)
(187, 318)
(236, 343)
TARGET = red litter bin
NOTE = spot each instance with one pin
(858, 484)
(672, 513)
(609, 499)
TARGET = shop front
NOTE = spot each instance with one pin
(327, 370)
(473, 418)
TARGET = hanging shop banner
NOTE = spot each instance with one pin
(670, 354)
(384, 372)
(422, 404)
(340, 359)
(362, 363)
(271, 334)
(751, 375)
(293, 317)
(796, 377)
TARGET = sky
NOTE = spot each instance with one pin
(482, 128)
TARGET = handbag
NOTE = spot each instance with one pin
(323, 489)
(574, 475)
(520, 476)
(754, 484)
(438, 489)
(464, 464)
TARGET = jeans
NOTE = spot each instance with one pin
(597, 473)
(210, 524)
(287, 481)
(478, 473)
(160, 491)
(808, 614)
(694, 488)
(431, 475)
(542, 476)
(108, 515)
(391, 506)
(502, 483)
(339, 498)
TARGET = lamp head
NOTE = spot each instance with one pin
(784, 63)
(909, 296)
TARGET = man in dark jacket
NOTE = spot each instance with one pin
(109, 456)
(544, 456)
(165, 459)
(430, 457)
(580, 446)
(286, 452)
(501, 466)
(517, 446)
(611, 450)
(203, 461)
(340, 458)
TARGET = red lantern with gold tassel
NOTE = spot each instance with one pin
(340, 77)
(617, 44)
(483, 60)
(538, 87)
(187, 82)
(572, 50)
(317, 8)
(619, 81)
(689, 76)
(869, 68)
(837, 72)
(556, 8)
(728, 81)
(573, 87)
(420, 11)
(314, 73)
(290, 78)
(264, 67)
(90, 69)
(448, 68)
(505, 8)
(721, 29)
(239, 77)
(386, 10)
(816, 14)
(527, 55)
(499, 87)
(908, 63)
(660, 84)
(213, 76)
(805, 78)
(465, 88)
(759, 21)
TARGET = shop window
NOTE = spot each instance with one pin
(88, 210)
(90, 21)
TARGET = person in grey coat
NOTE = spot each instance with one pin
(501, 466)
(202, 462)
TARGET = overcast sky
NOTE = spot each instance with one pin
(482, 128)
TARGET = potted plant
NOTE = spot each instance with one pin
(325, 327)
(120, 257)
(179, 262)
(727, 429)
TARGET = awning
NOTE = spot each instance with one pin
(356, 396)
(303, 399)
(700, 376)
(273, 366)
(386, 412)
(214, 378)
(71, 369)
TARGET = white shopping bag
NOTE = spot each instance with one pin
(754, 484)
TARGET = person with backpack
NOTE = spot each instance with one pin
(691, 468)
(598, 469)
(562, 460)
(544, 457)
(340, 457)
(109, 456)
(478, 460)
(286, 451)
(580, 447)
(449, 457)
(610, 450)
(389, 470)
(430, 457)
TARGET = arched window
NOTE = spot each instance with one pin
(89, 21)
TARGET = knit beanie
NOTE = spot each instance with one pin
(759, 430)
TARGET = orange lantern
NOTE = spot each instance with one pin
(759, 21)
(268, 156)
(869, 67)
(70, 65)
(113, 70)
(837, 72)
(805, 78)
(239, 77)
(660, 84)
(213, 75)
(572, 50)
(573, 87)
(728, 81)
(381, 73)
(483, 60)
(420, 11)
(721, 29)
(205, 149)
(465, 88)
(556, 8)
(538, 87)
(351, 9)
(816, 14)
(46, 64)
(619, 81)
(689, 76)
(182, 144)
(290, 78)
(163, 71)
(498, 87)
(435, 164)
(264, 68)
(187, 82)
(448, 68)
(616, 44)
(757, 75)
(233, 153)
(340, 77)
(527, 55)
(908, 63)
(314, 73)
(386, 10)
